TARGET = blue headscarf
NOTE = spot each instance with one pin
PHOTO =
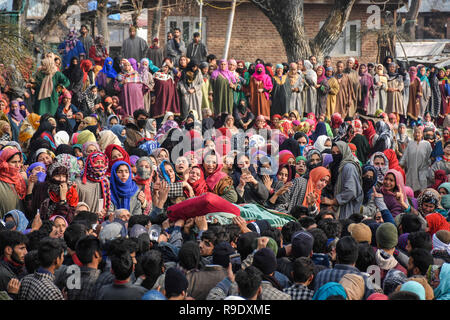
(442, 292)
(19, 219)
(330, 289)
(151, 66)
(109, 119)
(122, 192)
(321, 130)
(108, 68)
(41, 175)
(117, 129)
(163, 171)
(149, 146)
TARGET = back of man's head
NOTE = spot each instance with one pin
(189, 255)
(86, 247)
(288, 230)
(152, 264)
(410, 223)
(420, 240)
(320, 240)
(403, 295)
(331, 227)
(49, 250)
(347, 250)
(122, 266)
(248, 281)
(302, 269)
(422, 259)
(73, 233)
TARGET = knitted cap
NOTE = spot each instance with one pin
(302, 244)
(265, 260)
(387, 236)
(360, 232)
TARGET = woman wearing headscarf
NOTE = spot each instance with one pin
(279, 187)
(48, 81)
(143, 179)
(98, 52)
(394, 91)
(260, 87)
(444, 92)
(218, 182)
(394, 193)
(223, 82)
(75, 76)
(369, 181)
(131, 88)
(280, 94)
(190, 87)
(88, 73)
(436, 222)
(334, 89)
(147, 78)
(323, 89)
(310, 89)
(360, 141)
(94, 187)
(323, 143)
(56, 196)
(166, 96)
(19, 219)
(367, 90)
(27, 129)
(426, 90)
(12, 183)
(45, 131)
(124, 191)
(346, 180)
(5, 131)
(115, 153)
(383, 138)
(71, 47)
(243, 116)
(381, 163)
(380, 86)
(105, 78)
(435, 99)
(415, 94)
(401, 139)
(15, 119)
(67, 108)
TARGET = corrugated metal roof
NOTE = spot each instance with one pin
(419, 49)
(430, 6)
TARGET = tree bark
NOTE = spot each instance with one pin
(102, 21)
(411, 17)
(156, 23)
(288, 18)
(137, 5)
(56, 9)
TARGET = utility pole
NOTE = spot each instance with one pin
(230, 28)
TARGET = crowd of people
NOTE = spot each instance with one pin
(166, 174)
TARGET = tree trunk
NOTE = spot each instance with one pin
(102, 21)
(137, 5)
(56, 9)
(156, 23)
(287, 17)
(411, 19)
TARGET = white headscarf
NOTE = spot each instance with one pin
(439, 245)
(320, 143)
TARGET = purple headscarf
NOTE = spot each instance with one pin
(133, 63)
(16, 115)
(225, 72)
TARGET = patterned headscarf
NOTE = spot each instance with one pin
(70, 162)
(381, 172)
(96, 173)
(428, 195)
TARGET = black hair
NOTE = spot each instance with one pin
(410, 223)
(422, 259)
(248, 281)
(176, 28)
(210, 236)
(331, 227)
(347, 250)
(139, 112)
(320, 240)
(298, 211)
(335, 297)
(31, 261)
(307, 221)
(152, 265)
(273, 233)
(10, 238)
(356, 217)
(210, 57)
(245, 243)
(324, 213)
(189, 255)
(87, 218)
(366, 256)
(327, 57)
(288, 230)
(86, 248)
(73, 233)
(233, 231)
(345, 223)
(420, 239)
(403, 295)
(196, 34)
(302, 269)
(49, 250)
(121, 245)
(141, 219)
(122, 266)
(34, 238)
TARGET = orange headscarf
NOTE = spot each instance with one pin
(314, 177)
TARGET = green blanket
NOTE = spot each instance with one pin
(252, 212)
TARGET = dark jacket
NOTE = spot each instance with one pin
(202, 281)
(121, 291)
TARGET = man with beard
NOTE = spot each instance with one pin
(136, 130)
(134, 47)
(346, 97)
(176, 47)
(419, 262)
(354, 80)
(12, 264)
(86, 39)
(196, 50)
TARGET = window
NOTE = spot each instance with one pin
(188, 26)
(116, 36)
(349, 43)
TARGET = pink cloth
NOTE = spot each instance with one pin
(264, 78)
(224, 72)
